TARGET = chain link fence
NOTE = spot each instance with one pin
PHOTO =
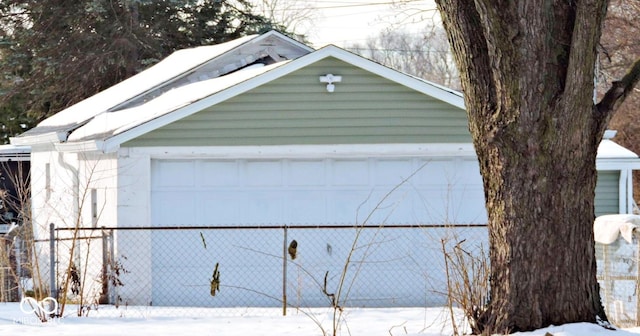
(619, 276)
(232, 268)
(8, 265)
(14, 268)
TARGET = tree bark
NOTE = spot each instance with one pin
(527, 71)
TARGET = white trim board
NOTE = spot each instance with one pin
(306, 151)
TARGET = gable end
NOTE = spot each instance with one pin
(297, 109)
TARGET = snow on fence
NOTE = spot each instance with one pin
(617, 252)
(234, 268)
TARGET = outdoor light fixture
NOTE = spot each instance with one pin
(330, 79)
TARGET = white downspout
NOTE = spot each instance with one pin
(75, 186)
(76, 202)
(623, 201)
(630, 201)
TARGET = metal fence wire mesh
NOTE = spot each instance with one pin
(8, 283)
(14, 268)
(263, 266)
(618, 274)
(229, 270)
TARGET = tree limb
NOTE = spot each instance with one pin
(462, 23)
(583, 47)
(619, 91)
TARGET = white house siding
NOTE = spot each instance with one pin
(97, 200)
(54, 201)
(64, 199)
(133, 249)
(43, 213)
(54, 195)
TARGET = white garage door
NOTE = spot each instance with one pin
(242, 193)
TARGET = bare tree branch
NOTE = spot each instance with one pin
(619, 90)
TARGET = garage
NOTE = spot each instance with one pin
(224, 155)
(250, 201)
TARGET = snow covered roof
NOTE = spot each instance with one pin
(611, 150)
(109, 123)
(612, 156)
(178, 69)
(172, 66)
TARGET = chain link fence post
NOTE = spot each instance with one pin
(284, 272)
(52, 262)
(18, 253)
(106, 261)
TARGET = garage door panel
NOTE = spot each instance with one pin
(390, 207)
(435, 173)
(194, 256)
(345, 206)
(445, 205)
(432, 204)
(306, 173)
(471, 170)
(349, 173)
(391, 173)
(306, 207)
(319, 252)
(219, 173)
(179, 173)
(248, 270)
(467, 205)
(170, 210)
(374, 275)
(264, 207)
(237, 288)
(302, 192)
(263, 173)
(384, 205)
(221, 208)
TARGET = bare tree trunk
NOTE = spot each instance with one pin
(527, 72)
(540, 203)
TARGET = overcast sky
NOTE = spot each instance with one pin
(342, 22)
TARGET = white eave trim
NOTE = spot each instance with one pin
(462, 150)
(618, 164)
(82, 146)
(52, 137)
(14, 153)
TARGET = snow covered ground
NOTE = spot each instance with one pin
(155, 322)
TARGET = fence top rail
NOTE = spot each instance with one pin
(273, 227)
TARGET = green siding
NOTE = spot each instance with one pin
(607, 192)
(297, 109)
